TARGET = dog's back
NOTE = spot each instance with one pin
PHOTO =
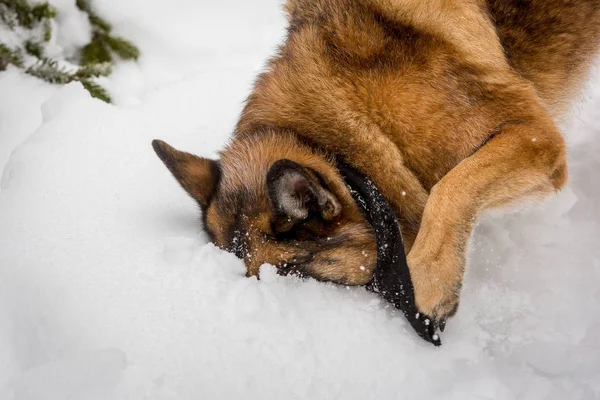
(549, 42)
(422, 72)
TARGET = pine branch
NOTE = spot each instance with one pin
(26, 15)
(94, 70)
(98, 24)
(21, 10)
(95, 90)
(8, 16)
(123, 48)
(95, 52)
(34, 49)
(47, 30)
(96, 56)
(9, 56)
(99, 49)
(49, 71)
(44, 11)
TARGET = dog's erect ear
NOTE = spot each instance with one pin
(295, 192)
(198, 176)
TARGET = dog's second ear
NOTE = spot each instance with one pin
(295, 192)
(198, 176)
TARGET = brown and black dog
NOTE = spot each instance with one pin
(448, 106)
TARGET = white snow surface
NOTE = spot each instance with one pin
(109, 289)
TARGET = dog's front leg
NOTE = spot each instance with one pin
(523, 160)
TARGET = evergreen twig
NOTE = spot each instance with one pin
(95, 52)
(95, 90)
(96, 57)
(49, 71)
(103, 43)
(94, 70)
(10, 56)
(34, 49)
(123, 48)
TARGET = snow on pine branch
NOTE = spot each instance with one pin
(85, 52)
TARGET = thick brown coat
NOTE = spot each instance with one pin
(449, 106)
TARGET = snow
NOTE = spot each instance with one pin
(109, 289)
(72, 30)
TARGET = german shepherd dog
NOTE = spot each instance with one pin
(449, 107)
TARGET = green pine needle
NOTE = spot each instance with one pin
(44, 11)
(98, 24)
(34, 49)
(96, 56)
(8, 16)
(9, 56)
(123, 48)
(47, 30)
(49, 71)
(22, 10)
(95, 52)
(95, 90)
(94, 70)
(84, 5)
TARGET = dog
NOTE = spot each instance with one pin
(448, 106)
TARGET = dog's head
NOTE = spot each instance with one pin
(270, 199)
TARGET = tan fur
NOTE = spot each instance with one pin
(244, 168)
(449, 106)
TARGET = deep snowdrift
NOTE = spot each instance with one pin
(108, 288)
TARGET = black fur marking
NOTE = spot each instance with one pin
(236, 232)
(392, 277)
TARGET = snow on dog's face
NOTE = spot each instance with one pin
(270, 199)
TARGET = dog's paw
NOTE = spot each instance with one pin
(434, 318)
(437, 291)
(438, 300)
